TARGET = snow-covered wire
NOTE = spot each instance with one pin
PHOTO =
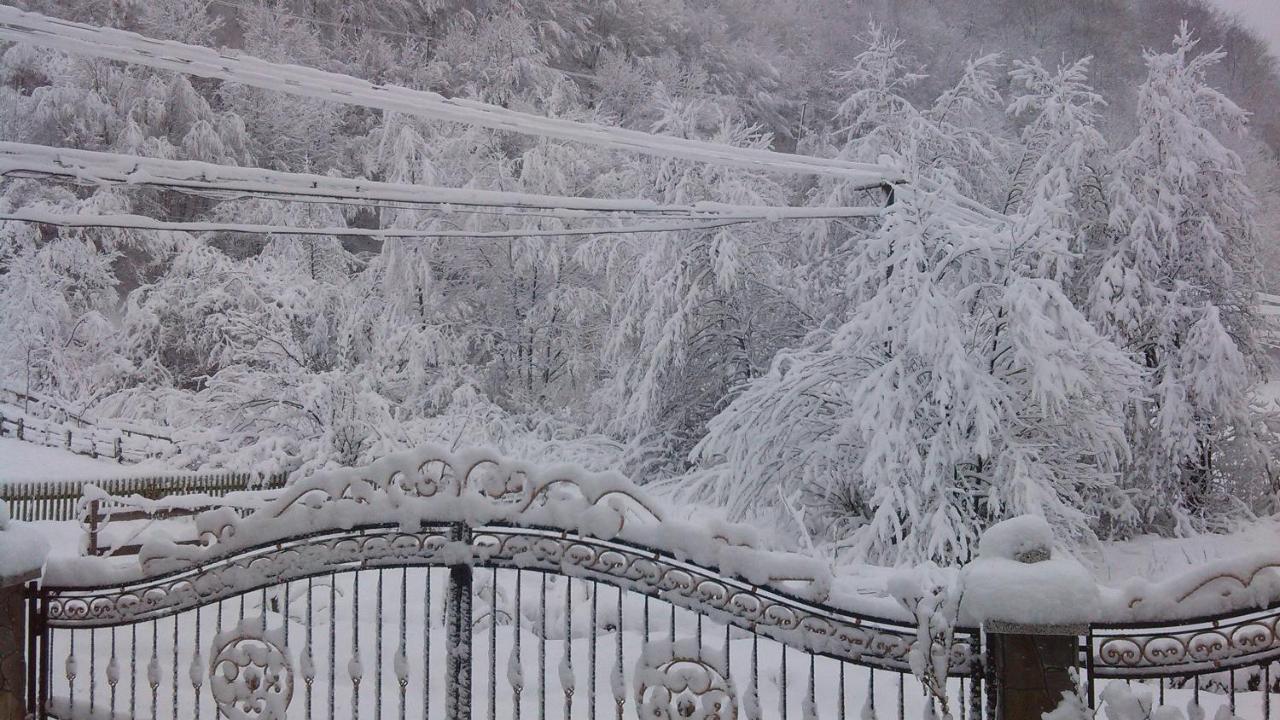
(87, 166)
(112, 44)
(142, 222)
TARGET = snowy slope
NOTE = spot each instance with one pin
(23, 461)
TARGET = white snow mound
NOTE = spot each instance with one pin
(22, 548)
(1013, 537)
(997, 587)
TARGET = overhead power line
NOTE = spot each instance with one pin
(92, 167)
(112, 44)
(142, 222)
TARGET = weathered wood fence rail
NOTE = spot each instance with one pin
(119, 444)
(42, 406)
(57, 500)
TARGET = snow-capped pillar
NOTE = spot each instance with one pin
(1033, 606)
(458, 628)
(22, 553)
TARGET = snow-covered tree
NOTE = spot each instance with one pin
(175, 326)
(1057, 185)
(303, 350)
(300, 134)
(1176, 288)
(497, 60)
(188, 21)
(961, 389)
(57, 293)
(946, 141)
(694, 313)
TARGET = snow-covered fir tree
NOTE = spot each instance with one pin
(694, 313)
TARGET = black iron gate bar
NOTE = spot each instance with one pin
(815, 628)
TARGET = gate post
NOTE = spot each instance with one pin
(24, 550)
(13, 650)
(458, 629)
(1033, 608)
(1032, 667)
(17, 643)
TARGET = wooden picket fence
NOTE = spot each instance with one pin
(58, 500)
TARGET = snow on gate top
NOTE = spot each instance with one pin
(22, 550)
(478, 486)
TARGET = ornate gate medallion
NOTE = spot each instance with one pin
(250, 675)
(683, 681)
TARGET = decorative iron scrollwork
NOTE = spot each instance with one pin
(434, 472)
(1187, 647)
(683, 681)
(168, 594)
(875, 642)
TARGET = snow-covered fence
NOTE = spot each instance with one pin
(80, 436)
(34, 405)
(1268, 309)
(60, 499)
(41, 406)
(459, 585)
(118, 524)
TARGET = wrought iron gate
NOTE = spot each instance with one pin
(1222, 655)
(509, 605)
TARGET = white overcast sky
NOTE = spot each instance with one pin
(1263, 16)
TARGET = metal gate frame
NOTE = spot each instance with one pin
(813, 627)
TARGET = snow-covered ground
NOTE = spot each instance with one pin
(22, 461)
(1152, 557)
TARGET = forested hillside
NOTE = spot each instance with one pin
(1091, 358)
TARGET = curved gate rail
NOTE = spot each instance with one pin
(1224, 653)
(410, 619)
